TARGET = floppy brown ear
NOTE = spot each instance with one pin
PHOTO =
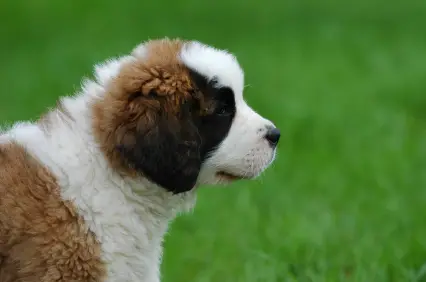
(163, 145)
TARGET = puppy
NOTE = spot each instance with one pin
(87, 191)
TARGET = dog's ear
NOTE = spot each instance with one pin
(161, 141)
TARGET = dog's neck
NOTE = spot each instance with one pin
(75, 118)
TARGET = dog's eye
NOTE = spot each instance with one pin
(223, 110)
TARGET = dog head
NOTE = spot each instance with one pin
(173, 111)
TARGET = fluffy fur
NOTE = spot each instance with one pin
(126, 155)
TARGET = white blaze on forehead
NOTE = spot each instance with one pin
(214, 63)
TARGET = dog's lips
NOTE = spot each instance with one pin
(230, 176)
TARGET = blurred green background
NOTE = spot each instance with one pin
(344, 80)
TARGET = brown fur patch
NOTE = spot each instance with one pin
(145, 89)
(42, 237)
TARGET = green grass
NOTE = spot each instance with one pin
(346, 83)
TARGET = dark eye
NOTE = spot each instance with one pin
(223, 110)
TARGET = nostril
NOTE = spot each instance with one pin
(273, 136)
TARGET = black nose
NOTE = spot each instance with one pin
(273, 136)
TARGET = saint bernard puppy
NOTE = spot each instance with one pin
(88, 190)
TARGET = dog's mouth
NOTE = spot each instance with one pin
(230, 176)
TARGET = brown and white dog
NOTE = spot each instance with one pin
(87, 191)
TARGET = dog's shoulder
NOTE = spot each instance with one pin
(42, 237)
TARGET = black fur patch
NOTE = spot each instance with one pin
(214, 128)
(168, 155)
